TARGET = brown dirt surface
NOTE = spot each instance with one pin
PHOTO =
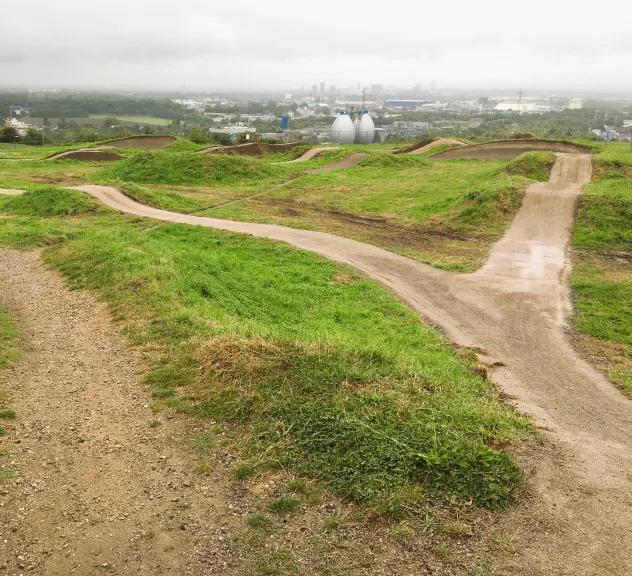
(88, 156)
(510, 149)
(311, 153)
(437, 143)
(156, 142)
(347, 162)
(251, 149)
(97, 486)
(415, 146)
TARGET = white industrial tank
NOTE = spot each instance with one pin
(342, 130)
(356, 128)
(365, 132)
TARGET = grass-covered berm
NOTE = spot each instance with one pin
(303, 363)
(446, 214)
(602, 258)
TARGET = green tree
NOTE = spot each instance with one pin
(10, 134)
(34, 137)
(198, 136)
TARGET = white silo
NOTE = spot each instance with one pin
(356, 128)
(342, 130)
(365, 131)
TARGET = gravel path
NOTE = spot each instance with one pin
(99, 491)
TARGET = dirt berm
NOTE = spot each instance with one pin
(251, 149)
(87, 156)
(143, 142)
(510, 149)
(414, 146)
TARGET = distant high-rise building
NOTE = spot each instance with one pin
(377, 88)
(314, 89)
(332, 88)
(322, 87)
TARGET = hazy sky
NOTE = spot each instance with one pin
(282, 43)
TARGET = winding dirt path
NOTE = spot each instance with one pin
(514, 310)
(99, 490)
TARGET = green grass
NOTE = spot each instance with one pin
(284, 506)
(135, 119)
(533, 165)
(614, 153)
(260, 521)
(151, 167)
(602, 275)
(308, 366)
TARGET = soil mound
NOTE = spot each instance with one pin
(88, 156)
(414, 146)
(510, 149)
(251, 149)
(143, 142)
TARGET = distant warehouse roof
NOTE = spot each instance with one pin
(406, 103)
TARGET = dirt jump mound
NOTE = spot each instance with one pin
(510, 149)
(156, 142)
(88, 156)
(251, 149)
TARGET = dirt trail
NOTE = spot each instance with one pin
(347, 162)
(99, 491)
(515, 309)
(436, 143)
(311, 153)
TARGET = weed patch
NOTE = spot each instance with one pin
(533, 165)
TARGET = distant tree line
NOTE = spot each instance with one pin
(79, 105)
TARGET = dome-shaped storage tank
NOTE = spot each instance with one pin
(342, 130)
(366, 129)
(356, 128)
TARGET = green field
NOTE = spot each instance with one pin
(378, 404)
(602, 276)
(444, 213)
(135, 119)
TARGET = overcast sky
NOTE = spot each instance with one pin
(221, 44)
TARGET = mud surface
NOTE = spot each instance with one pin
(510, 149)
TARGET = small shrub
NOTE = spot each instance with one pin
(299, 487)
(260, 521)
(333, 522)
(243, 471)
(285, 505)
(276, 563)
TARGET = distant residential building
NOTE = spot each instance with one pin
(625, 133)
(474, 122)
(575, 104)
(627, 123)
(377, 88)
(20, 127)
